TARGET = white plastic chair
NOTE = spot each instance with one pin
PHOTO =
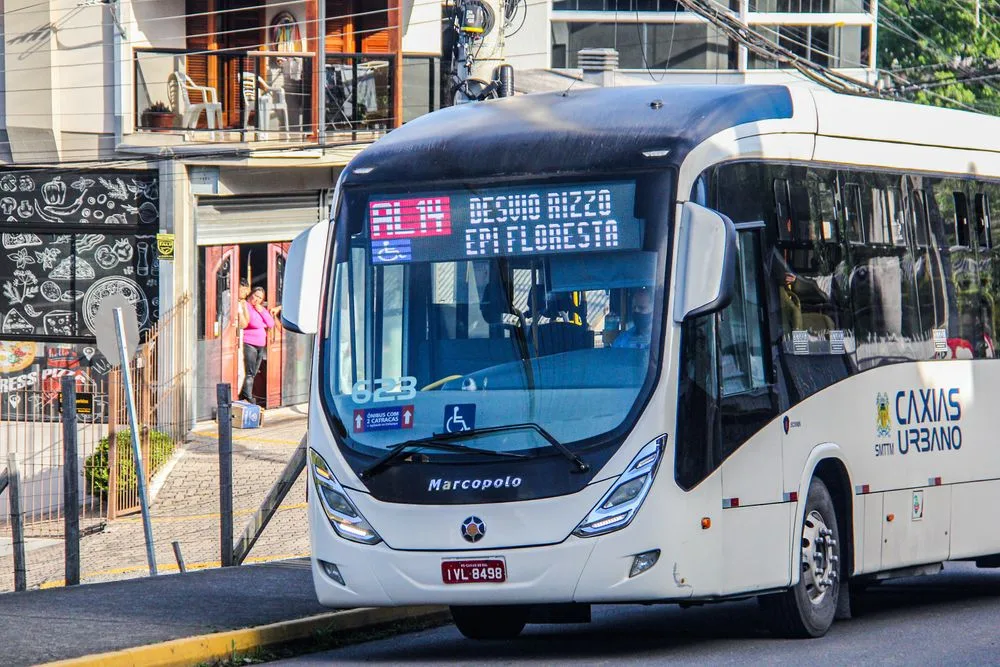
(248, 86)
(269, 101)
(190, 111)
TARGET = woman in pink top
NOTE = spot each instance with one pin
(255, 320)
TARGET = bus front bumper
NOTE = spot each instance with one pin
(587, 570)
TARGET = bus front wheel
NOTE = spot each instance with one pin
(490, 622)
(808, 608)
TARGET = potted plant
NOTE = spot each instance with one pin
(158, 117)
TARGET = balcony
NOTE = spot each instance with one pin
(227, 96)
(360, 95)
(197, 96)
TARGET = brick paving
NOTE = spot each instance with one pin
(186, 509)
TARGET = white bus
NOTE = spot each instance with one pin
(661, 344)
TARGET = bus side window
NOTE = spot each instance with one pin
(697, 403)
(853, 213)
(824, 205)
(984, 225)
(896, 219)
(880, 232)
(961, 237)
(920, 222)
(741, 324)
(747, 397)
(783, 209)
(803, 228)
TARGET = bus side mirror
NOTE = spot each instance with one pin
(706, 262)
(304, 280)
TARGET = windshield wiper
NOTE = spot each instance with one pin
(581, 465)
(432, 442)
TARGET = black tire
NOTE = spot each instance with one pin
(808, 608)
(492, 622)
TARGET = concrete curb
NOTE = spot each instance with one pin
(220, 645)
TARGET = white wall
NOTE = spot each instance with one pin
(531, 47)
(29, 58)
(158, 24)
(422, 26)
(84, 64)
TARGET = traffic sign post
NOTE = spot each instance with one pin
(118, 343)
(106, 331)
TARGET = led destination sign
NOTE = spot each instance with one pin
(504, 222)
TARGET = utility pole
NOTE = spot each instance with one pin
(478, 70)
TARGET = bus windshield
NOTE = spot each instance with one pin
(464, 308)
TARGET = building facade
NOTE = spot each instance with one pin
(661, 42)
(218, 125)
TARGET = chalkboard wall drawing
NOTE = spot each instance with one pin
(11, 241)
(73, 198)
(69, 239)
(104, 288)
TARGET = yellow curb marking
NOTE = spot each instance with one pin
(196, 650)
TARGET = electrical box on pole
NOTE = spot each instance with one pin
(478, 29)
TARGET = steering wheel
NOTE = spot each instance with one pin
(438, 383)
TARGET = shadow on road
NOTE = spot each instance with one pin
(667, 631)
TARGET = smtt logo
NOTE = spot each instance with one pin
(883, 423)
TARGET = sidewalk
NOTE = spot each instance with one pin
(192, 618)
(186, 509)
(46, 625)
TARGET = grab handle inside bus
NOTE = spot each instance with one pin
(706, 262)
(304, 280)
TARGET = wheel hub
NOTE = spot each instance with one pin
(819, 557)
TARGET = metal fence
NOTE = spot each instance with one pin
(33, 431)
(161, 411)
(31, 428)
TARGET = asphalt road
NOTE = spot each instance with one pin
(948, 619)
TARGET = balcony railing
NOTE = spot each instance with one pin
(225, 95)
(360, 92)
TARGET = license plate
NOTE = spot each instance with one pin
(478, 571)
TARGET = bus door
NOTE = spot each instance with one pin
(750, 440)
(276, 255)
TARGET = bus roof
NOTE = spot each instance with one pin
(607, 129)
(603, 128)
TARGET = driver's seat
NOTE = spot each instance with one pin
(556, 337)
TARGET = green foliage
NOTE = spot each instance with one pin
(158, 107)
(97, 471)
(936, 46)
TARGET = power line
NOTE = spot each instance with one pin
(760, 45)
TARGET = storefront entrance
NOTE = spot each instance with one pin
(283, 375)
(248, 236)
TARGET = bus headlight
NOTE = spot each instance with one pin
(343, 515)
(619, 505)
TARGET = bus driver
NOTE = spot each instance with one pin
(636, 337)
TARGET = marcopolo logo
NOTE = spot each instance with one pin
(439, 484)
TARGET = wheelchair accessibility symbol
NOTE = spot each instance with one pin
(389, 252)
(459, 418)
